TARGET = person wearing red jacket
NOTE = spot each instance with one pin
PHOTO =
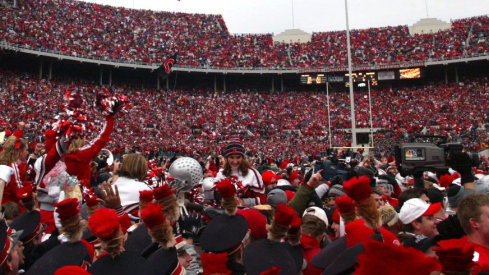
(14, 155)
(314, 224)
(79, 155)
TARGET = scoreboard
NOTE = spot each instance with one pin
(309, 79)
(361, 78)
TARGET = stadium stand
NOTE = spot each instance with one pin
(291, 122)
(132, 36)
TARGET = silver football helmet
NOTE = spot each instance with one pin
(208, 188)
(186, 172)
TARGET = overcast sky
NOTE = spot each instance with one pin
(275, 16)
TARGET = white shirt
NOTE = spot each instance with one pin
(129, 192)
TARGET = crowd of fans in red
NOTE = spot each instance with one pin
(127, 35)
(187, 121)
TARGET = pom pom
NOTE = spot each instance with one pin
(90, 198)
(25, 193)
(162, 192)
(393, 260)
(104, 223)
(225, 188)
(110, 105)
(215, 263)
(272, 271)
(152, 215)
(455, 255)
(284, 215)
(295, 226)
(125, 222)
(146, 196)
(67, 209)
(72, 120)
(71, 270)
(358, 188)
(18, 133)
(345, 204)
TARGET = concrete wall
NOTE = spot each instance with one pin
(294, 36)
(429, 25)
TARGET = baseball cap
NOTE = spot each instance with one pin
(269, 177)
(283, 182)
(318, 212)
(415, 208)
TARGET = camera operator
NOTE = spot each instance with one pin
(330, 167)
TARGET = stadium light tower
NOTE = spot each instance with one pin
(352, 103)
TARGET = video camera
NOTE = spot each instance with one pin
(427, 156)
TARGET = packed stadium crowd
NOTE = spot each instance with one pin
(236, 215)
(128, 35)
(269, 123)
(198, 181)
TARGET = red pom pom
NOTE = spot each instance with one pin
(272, 271)
(162, 192)
(71, 270)
(153, 215)
(213, 263)
(358, 188)
(125, 222)
(284, 215)
(18, 133)
(295, 225)
(110, 105)
(90, 198)
(104, 223)
(146, 195)
(455, 255)
(225, 188)
(67, 209)
(25, 193)
(393, 260)
(345, 204)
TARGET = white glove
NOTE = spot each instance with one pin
(5, 173)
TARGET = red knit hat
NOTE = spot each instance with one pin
(234, 147)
